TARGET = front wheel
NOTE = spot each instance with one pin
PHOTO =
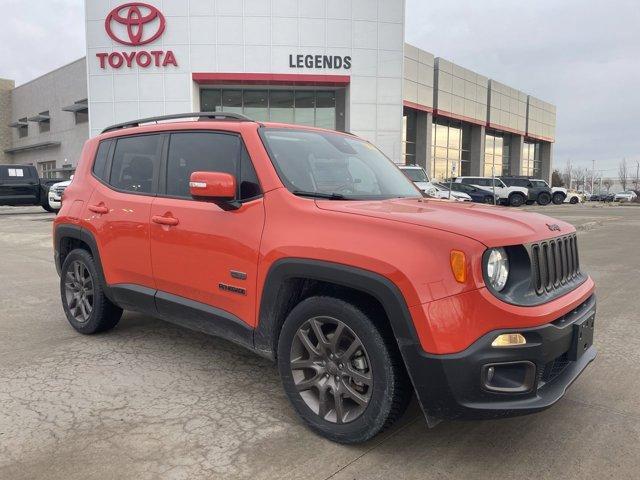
(488, 200)
(344, 378)
(558, 198)
(87, 308)
(544, 199)
(48, 208)
(574, 200)
(517, 200)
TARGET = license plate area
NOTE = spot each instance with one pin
(582, 336)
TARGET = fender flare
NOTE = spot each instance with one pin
(78, 233)
(374, 284)
(365, 281)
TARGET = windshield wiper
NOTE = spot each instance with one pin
(328, 196)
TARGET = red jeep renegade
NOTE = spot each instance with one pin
(311, 248)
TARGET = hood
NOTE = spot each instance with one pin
(492, 226)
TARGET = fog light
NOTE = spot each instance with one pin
(509, 340)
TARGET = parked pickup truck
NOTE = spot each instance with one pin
(310, 248)
(20, 186)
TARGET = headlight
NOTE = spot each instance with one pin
(497, 268)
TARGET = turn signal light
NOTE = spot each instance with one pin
(509, 340)
(459, 265)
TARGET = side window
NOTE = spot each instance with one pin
(199, 152)
(136, 162)
(249, 184)
(483, 182)
(100, 163)
(17, 173)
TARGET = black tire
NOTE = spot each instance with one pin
(517, 199)
(390, 389)
(558, 198)
(488, 200)
(103, 314)
(574, 200)
(544, 199)
(48, 208)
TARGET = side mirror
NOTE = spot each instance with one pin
(214, 186)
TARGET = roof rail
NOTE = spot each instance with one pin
(199, 115)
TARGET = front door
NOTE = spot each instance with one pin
(203, 252)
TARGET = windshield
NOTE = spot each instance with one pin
(334, 166)
(415, 174)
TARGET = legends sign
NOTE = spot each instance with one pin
(334, 62)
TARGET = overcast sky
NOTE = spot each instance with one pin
(582, 55)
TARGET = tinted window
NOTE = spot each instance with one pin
(100, 163)
(249, 184)
(199, 152)
(135, 162)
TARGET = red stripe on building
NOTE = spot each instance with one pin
(271, 79)
(539, 137)
(417, 106)
(495, 126)
(443, 113)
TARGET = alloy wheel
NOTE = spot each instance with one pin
(78, 287)
(331, 369)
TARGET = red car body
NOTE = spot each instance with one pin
(154, 249)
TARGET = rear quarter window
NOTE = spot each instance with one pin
(100, 162)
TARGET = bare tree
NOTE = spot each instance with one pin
(607, 183)
(568, 174)
(636, 178)
(579, 176)
(623, 174)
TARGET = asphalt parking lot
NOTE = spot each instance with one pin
(151, 400)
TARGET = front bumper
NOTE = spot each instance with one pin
(454, 385)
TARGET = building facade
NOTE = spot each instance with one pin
(338, 64)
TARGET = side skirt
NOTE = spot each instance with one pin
(183, 312)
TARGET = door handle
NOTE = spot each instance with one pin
(98, 209)
(170, 221)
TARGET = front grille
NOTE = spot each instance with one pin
(554, 368)
(59, 190)
(554, 263)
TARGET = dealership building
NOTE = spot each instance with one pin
(338, 64)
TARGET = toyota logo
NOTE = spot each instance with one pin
(141, 24)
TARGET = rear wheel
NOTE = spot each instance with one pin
(558, 198)
(574, 200)
(343, 377)
(544, 199)
(48, 208)
(488, 200)
(517, 199)
(87, 308)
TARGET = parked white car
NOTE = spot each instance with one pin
(55, 194)
(420, 178)
(514, 196)
(626, 196)
(443, 191)
(574, 197)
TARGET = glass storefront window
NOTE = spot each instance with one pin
(232, 101)
(326, 110)
(449, 151)
(497, 159)
(304, 107)
(281, 106)
(256, 103)
(531, 166)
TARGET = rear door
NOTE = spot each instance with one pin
(119, 209)
(20, 185)
(210, 255)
